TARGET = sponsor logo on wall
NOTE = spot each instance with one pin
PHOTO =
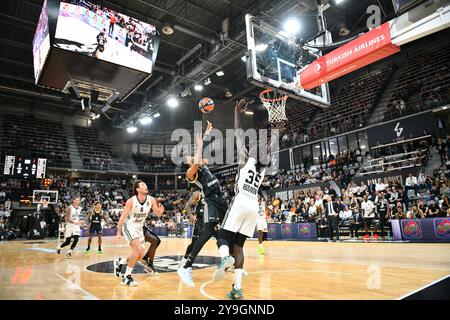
(286, 231)
(411, 229)
(304, 231)
(272, 231)
(442, 228)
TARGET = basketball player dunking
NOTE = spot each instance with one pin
(95, 226)
(213, 201)
(131, 224)
(240, 220)
(72, 229)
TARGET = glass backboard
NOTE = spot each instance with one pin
(275, 59)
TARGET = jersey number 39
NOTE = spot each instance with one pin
(253, 177)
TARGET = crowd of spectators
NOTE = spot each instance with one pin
(147, 163)
(418, 196)
(366, 206)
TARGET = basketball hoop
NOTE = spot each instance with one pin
(275, 103)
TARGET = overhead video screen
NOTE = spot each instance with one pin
(105, 34)
(41, 43)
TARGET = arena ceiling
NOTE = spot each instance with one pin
(195, 22)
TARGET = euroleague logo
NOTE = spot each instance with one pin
(161, 264)
(304, 230)
(442, 228)
(411, 229)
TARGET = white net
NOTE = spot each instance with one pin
(275, 103)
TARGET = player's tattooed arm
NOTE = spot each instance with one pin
(190, 205)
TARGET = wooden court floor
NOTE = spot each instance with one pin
(288, 270)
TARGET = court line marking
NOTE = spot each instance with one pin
(423, 287)
(203, 291)
(75, 286)
(378, 263)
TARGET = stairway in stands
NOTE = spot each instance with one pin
(1, 137)
(379, 110)
(73, 147)
(434, 162)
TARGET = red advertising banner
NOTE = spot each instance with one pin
(370, 47)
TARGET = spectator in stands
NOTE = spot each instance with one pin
(411, 183)
(368, 209)
(8, 204)
(380, 186)
(444, 210)
(432, 210)
(442, 149)
(332, 212)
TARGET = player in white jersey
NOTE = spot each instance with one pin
(240, 220)
(131, 224)
(72, 227)
(261, 225)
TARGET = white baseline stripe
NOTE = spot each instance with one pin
(421, 288)
(73, 285)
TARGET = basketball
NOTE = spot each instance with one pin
(206, 105)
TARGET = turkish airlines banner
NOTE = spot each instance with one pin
(370, 47)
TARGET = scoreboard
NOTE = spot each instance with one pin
(19, 167)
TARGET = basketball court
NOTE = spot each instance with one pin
(345, 87)
(289, 270)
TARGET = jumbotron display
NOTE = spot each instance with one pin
(41, 43)
(99, 32)
(19, 167)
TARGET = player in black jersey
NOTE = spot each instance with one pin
(194, 210)
(154, 241)
(101, 42)
(95, 226)
(213, 201)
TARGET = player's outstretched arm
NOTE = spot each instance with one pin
(68, 215)
(198, 157)
(239, 132)
(126, 211)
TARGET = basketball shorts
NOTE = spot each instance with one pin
(132, 231)
(72, 230)
(261, 223)
(95, 228)
(214, 208)
(241, 216)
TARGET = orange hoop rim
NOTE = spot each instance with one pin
(264, 99)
